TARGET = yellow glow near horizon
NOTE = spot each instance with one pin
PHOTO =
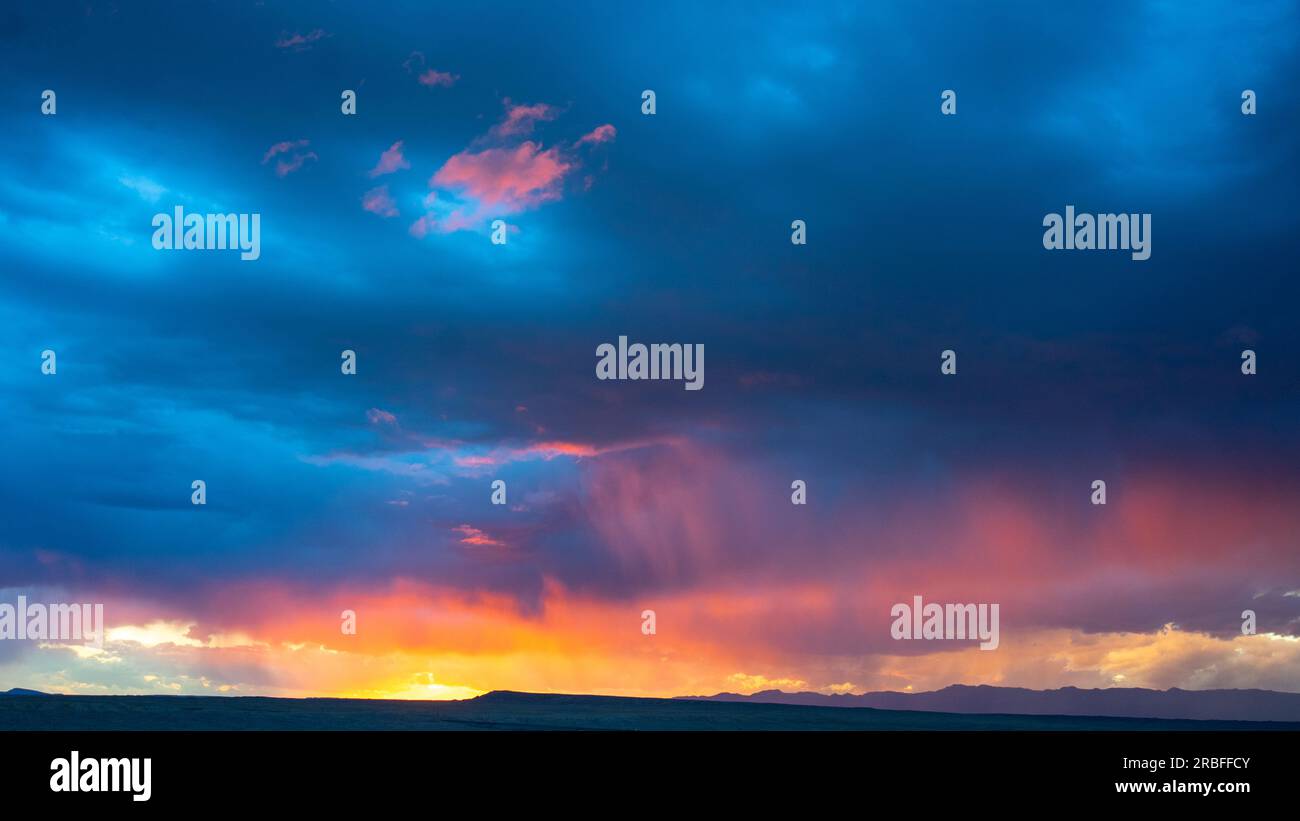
(430, 691)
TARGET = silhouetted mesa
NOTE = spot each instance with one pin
(527, 711)
(1121, 702)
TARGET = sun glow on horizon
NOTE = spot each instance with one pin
(429, 690)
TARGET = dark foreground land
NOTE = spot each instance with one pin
(525, 711)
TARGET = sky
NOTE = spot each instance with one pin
(476, 361)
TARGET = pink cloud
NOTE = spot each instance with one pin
(478, 184)
(284, 168)
(422, 226)
(494, 182)
(390, 161)
(378, 201)
(430, 77)
(284, 147)
(457, 219)
(600, 134)
(551, 449)
(507, 179)
(476, 461)
(293, 156)
(520, 119)
(377, 416)
(300, 42)
(474, 536)
(434, 78)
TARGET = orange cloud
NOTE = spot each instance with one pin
(750, 590)
(416, 640)
(474, 536)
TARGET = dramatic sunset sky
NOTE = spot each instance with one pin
(476, 362)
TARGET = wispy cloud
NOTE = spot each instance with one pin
(379, 201)
(292, 156)
(301, 42)
(390, 161)
(476, 537)
(431, 77)
(600, 134)
(148, 190)
(435, 78)
(521, 119)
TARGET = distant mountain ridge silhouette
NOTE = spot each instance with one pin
(536, 712)
(1119, 702)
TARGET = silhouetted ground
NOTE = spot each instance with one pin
(1115, 702)
(522, 711)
